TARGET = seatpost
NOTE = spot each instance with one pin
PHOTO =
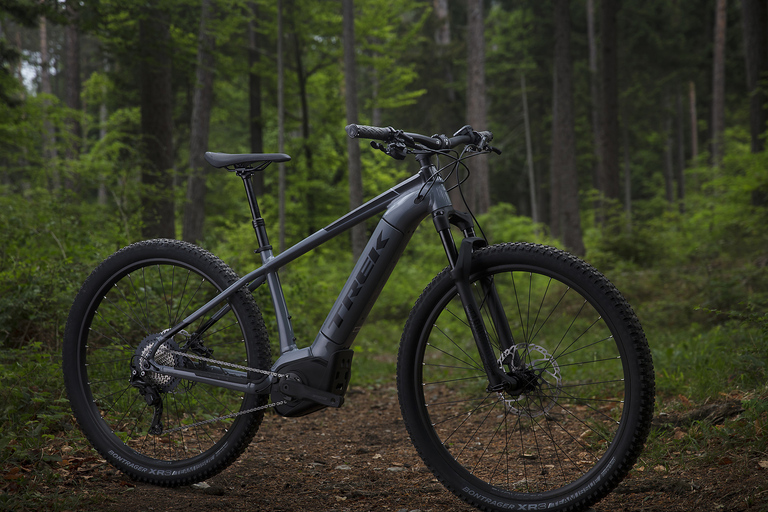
(259, 225)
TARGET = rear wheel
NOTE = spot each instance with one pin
(161, 429)
(583, 416)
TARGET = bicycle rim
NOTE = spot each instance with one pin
(130, 310)
(564, 437)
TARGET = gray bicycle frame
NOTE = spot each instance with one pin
(404, 206)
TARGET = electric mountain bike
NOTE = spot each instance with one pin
(524, 377)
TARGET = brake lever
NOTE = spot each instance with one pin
(397, 150)
(379, 146)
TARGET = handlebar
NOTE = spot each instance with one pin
(466, 135)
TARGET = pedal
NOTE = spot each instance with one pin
(296, 389)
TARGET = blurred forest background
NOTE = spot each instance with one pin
(632, 134)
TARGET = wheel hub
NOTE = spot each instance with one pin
(539, 376)
(164, 356)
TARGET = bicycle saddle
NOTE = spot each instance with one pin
(239, 161)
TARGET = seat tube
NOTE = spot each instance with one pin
(284, 327)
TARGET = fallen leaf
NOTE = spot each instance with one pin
(763, 464)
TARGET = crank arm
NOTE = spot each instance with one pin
(296, 389)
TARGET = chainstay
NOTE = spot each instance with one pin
(226, 417)
(234, 414)
(224, 363)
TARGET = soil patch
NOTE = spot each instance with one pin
(359, 458)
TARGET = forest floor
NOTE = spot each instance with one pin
(359, 458)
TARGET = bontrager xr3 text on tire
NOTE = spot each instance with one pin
(126, 303)
(581, 421)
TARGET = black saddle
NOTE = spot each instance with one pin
(244, 161)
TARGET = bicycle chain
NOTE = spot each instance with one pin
(234, 414)
(224, 363)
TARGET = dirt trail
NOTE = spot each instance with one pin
(359, 458)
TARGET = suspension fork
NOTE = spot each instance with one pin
(461, 261)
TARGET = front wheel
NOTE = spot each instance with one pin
(581, 420)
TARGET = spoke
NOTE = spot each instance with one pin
(133, 315)
(569, 327)
(584, 384)
(523, 323)
(578, 338)
(165, 295)
(580, 363)
(144, 312)
(128, 316)
(463, 379)
(453, 402)
(183, 291)
(609, 337)
(551, 312)
(473, 363)
(490, 441)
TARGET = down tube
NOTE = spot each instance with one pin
(361, 290)
(374, 267)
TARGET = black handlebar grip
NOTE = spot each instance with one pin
(360, 131)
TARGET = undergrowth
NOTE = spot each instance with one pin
(37, 436)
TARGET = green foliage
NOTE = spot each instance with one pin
(35, 426)
(681, 265)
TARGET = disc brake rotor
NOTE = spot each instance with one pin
(541, 371)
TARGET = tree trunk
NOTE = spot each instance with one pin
(754, 15)
(443, 40)
(529, 154)
(353, 146)
(480, 196)
(669, 170)
(156, 105)
(680, 144)
(202, 101)
(608, 161)
(718, 84)
(72, 77)
(694, 123)
(281, 183)
(302, 79)
(594, 90)
(255, 123)
(627, 178)
(563, 160)
(442, 58)
(49, 132)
